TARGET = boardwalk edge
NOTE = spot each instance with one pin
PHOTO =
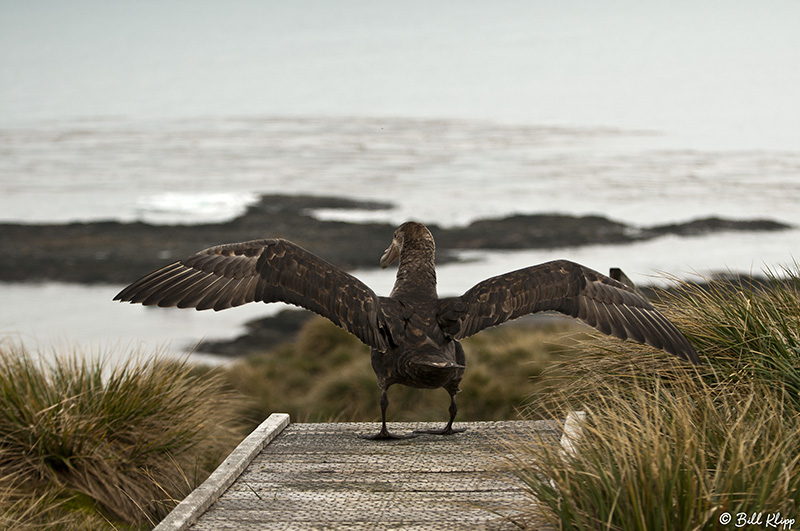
(201, 498)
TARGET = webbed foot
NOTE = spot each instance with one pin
(447, 430)
(385, 435)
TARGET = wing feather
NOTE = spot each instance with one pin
(154, 280)
(569, 288)
(172, 293)
(274, 270)
(217, 295)
(631, 322)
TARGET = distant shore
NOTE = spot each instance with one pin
(114, 252)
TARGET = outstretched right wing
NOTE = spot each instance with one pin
(569, 288)
(276, 270)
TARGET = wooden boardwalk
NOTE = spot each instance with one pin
(323, 476)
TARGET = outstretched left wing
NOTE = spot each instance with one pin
(569, 288)
(230, 275)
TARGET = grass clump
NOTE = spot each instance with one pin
(87, 445)
(668, 458)
(670, 446)
(748, 331)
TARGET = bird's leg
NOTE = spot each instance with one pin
(384, 433)
(448, 429)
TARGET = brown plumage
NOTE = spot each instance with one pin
(412, 333)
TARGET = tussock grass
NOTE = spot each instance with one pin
(511, 366)
(668, 458)
(748, 331)
(24, 510)
(84, 445)
(666, 445)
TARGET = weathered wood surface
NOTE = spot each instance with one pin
(323, 476)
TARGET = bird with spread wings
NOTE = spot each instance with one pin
(413, 334)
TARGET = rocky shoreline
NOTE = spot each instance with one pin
(115, 252)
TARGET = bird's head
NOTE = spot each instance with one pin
(409, 235)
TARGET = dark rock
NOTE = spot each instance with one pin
(113, 252)
(708, 225)
(534, 231)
